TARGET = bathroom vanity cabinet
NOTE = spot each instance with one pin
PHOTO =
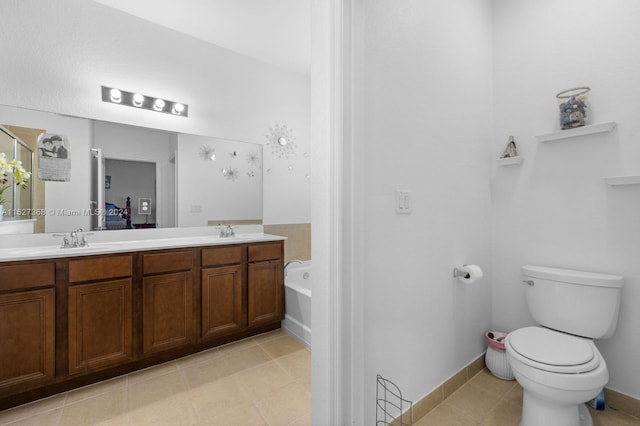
(67, 322)
(27, 324)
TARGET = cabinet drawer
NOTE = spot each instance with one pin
(172, 261)
(30, 275)
(99, 268)
(265, 252)
(221, 256)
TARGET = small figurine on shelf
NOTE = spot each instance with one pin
(510, 150)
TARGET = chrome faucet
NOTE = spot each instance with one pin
(227, 232)
(72, 240)
(289, 263)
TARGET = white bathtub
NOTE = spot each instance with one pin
(297, 299)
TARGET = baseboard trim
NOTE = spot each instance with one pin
(621, 402)
(422, 407)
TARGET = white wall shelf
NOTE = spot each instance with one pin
(578, 131)
(509, 161)
(623, 180)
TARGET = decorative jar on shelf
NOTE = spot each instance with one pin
(573, 107)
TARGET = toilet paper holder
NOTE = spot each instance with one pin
(460, 273)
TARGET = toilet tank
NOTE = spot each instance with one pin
(577, 302)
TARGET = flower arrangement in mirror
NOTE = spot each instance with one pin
(11, 168)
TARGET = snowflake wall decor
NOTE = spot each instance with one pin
(281, 141)
(253, 158)
(230, 173)
(207, 153)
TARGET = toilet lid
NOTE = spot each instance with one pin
(554, 351)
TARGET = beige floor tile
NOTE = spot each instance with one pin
(474, 401)
(198, 358)
(514, 396)
(270, 335)
(503, 414)
(171, 411)
(244, 415)
(48, 418)
(201, 374)
(249, 357)
(298, 364)
(116, 384)
(239, 345)
(32, 408)
(302, 421)
(285, 405)
(281, 346)
(488, 382)
(209, 399)
(152, 372)
(264, 379)
(106, 409)
(447, 415)
(155, 390)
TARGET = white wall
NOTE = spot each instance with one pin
(427, 96)
(230, 96)
(555, 209)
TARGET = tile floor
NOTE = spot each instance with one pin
(263, 380)
(488, 401)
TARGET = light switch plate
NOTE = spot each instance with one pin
(403, 202)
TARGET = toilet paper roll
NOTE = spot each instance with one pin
(472, 273)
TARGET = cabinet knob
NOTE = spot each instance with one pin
(530, 282)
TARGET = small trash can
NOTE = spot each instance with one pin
(496, 357)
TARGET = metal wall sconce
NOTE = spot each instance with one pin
(138, 100)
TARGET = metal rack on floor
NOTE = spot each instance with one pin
(391, 407)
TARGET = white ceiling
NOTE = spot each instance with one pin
(274, 31)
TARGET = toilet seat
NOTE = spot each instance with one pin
(553, 351)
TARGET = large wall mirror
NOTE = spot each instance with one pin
(129, 177)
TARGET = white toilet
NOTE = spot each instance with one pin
(557, 364)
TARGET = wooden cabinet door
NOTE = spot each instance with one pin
(167, 311)
(100, 325)
(221, 301)
(265, 292)
(27, 331)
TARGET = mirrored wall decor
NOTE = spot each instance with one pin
(281, 141)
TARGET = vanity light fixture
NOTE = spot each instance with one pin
(138, 100)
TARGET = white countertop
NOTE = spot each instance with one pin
(53, 251)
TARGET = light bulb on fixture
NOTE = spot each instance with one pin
(178, 108)
(138, 99)
(158, 104)
(116, 95)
